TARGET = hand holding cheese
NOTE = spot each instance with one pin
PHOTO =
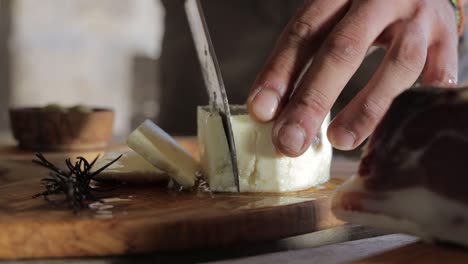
(323, 46)
(261, 168)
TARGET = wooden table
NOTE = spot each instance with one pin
(343, 244)
(147, 218)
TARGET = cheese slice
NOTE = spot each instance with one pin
(261, 168)
(131, 168)
(163, 152)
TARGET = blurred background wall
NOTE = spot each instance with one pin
(91, 52)
(5, 20)
(111, 53)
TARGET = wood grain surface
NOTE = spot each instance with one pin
(150, 218)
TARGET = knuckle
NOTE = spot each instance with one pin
(410, 51)
(410, 54)
(344, 48)
(423, 5)
(373, 110)
(313, 102)
(301, 30)
(282, 64)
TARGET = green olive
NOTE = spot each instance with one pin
(81, 109)
(54, 108)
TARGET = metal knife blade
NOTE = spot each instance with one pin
(212, 76)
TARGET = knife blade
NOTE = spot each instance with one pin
(212, 76)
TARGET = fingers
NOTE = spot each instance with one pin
(336, 61)
(442, 59)
(442, 63)
(399, 70)
(292, 51)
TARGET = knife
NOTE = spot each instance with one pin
(212, 76)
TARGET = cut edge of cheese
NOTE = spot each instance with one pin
(130, 167)
(257, 158)
(163, 152)
(433, 220)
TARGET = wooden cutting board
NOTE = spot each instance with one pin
(149, 218)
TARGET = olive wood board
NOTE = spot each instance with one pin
(150, 218)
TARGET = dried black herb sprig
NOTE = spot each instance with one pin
(76, 184)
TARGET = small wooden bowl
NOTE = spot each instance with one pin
(37, 129)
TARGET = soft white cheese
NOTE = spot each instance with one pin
(131, 167)
(163, 152)
(261, 168)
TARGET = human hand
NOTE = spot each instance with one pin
(420, 37)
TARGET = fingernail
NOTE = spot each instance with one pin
(265, 105)
(291, 138)
(452, 82)
(342, 138)
(253, 94)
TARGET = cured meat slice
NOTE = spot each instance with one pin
(413, 175)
